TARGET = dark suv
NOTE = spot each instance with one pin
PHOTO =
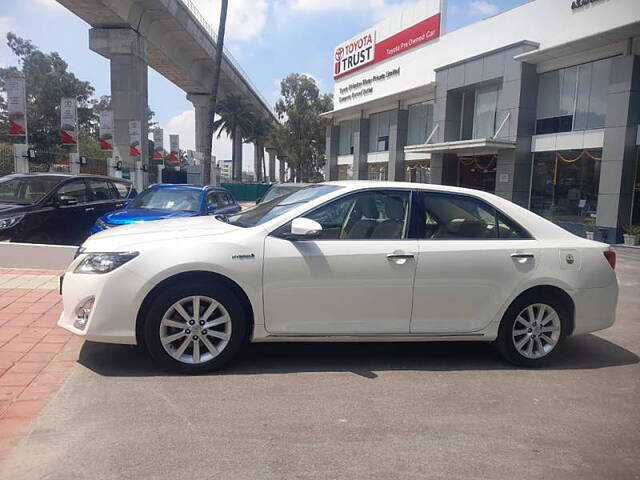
(55, 208)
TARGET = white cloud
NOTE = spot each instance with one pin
(246, 19)
(376, 9)
(49, 4)
(183, 124)
(483, 7)
(6, 55)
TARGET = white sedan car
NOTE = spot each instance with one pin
(342, 261)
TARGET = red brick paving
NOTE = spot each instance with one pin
(35, 356)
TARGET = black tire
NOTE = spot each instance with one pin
(505, 342)
(167, 297)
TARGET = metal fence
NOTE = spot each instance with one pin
(48, 161)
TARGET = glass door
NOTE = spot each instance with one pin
(478, 172)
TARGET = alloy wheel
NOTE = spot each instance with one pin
(195, 329)
(536, 330)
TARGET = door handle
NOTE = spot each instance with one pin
(89, 209)
(522, 256)
(400, 256)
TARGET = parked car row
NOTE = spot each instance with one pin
(66, 209)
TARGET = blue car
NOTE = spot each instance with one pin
(161, 202)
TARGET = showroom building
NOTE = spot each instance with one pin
(539, 104)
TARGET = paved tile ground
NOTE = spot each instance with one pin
(35, 354)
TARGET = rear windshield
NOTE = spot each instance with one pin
(26, 190)
(168, 199)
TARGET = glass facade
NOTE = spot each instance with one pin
(573, 98)
(345, 142)
(564, 187)
(635, 203)
(378, 171)
(484, 117)
(420, 123)
(379, 125)
(478, 172)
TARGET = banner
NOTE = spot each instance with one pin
(106, 131)
(158, 144)
(174, 145)
(16, 106)
(135, 138)
(68, 123)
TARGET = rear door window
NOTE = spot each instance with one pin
(459, 217)
(100, 190)
(121, 190)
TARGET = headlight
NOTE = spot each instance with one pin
(9, 222)
(104, 262)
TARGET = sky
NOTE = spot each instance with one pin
(269, 38)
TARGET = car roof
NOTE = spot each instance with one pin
(188, 186)
(63, 176)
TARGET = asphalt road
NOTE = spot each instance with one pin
(363, 411)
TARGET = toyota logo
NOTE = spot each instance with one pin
(339, 53)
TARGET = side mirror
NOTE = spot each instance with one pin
(304, 229)
(211, 209)
(126, 204)
(66, 200)
(259, 200)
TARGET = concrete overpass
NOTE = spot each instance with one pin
(173, 38)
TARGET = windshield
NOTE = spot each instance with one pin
(26, 190)
(168, 199)
(269, 210)
(278, 191)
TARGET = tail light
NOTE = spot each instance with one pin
(610, 255)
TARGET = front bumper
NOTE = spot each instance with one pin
(118, 296)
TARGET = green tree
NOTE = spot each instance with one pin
(236, 117)
(302, 132)
(47, 81)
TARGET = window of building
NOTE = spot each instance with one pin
(564, 187)
(345, 142)
(379, 125)
(573, 98)
(486, 105)
(420, 123)
(377, 171)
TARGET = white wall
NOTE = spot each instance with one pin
(547, 22)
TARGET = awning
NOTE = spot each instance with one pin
(477, 146)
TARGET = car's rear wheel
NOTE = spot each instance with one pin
(532, 330)
(195, 329)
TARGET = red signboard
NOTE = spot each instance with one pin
(405, 40)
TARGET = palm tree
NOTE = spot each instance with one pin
(236, 119)
(258, 135)
(213, 98)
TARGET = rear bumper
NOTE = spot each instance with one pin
(595, 308)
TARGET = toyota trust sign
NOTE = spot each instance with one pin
(365, 49)
(354, 53)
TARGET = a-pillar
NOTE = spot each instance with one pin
(127, 52)
(201, 106)
(237, 159)
(617, 173)
(272, 164)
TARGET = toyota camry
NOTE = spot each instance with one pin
(342, 261)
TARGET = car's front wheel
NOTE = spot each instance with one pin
(532, 330)
(195, 329)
